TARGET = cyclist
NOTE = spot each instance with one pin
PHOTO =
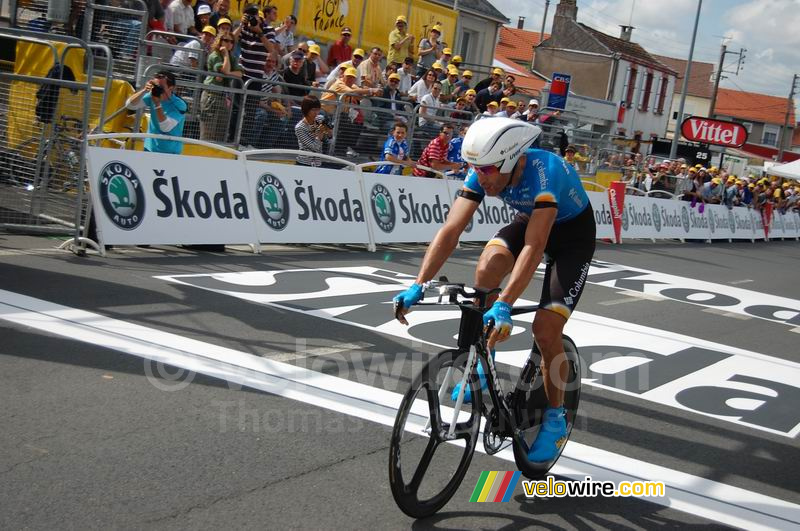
(554, 217)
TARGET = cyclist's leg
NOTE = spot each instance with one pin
(570, 248)
(498, 257)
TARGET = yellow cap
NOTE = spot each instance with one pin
(786, 185)
(470, 91)
(716, 180)
(777, 193)
(351, 72)
(447, 51)
(437, 28)
(713, 168)
(751, 186)
(467, 73)
(492, 104)
(498, 71)
(692, 170)
(400, 18)
(224, 21)
(436, 65)
(731, 179)
(457, 59)
(763, 181)
(452, 70)
(260, 13)
(314, 48)
(211, 30)
(698, 166)
(512, 103)
(739, 181)
(394, 76)
(505, 100)
(359, 52)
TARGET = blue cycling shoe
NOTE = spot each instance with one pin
(551, 437)
(468, 392)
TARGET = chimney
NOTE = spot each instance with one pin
(521, 23)
(564, 22)
(625, 33)
(567, 9)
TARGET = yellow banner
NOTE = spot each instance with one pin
(425, 15)
(323, 20)
(379, 22)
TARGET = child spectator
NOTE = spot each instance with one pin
(395, 149)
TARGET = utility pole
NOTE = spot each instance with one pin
(785, 129)
(720, 67)
(673, 150)
(544, 20)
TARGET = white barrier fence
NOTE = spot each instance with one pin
(151, 198)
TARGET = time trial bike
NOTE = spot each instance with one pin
(424, 473)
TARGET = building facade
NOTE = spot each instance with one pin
(698, 93)
(612, 69)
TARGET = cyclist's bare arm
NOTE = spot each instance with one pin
(536, 235)
(446, 238)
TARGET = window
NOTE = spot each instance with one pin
(648, 87)
(748, 126)
(662, 96)
(630, 89)
(466, 40)
(770, 137)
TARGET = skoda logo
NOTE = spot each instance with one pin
(656, 219)
(685, 219)
(625, 219)
(272, 201)
(732, 221)
(382, 208)
(122, 195)
(711, 221)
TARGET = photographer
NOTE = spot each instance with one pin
(167, 112)
(312, 131)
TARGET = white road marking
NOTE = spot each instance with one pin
(318, 351)
(632, 296)
(745, 281)
(707, 499)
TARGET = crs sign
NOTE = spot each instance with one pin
(717, 132)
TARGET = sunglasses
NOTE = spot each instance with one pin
(488, 168)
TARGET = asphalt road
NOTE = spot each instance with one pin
(268, 404)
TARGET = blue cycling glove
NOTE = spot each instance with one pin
(500, 315)
(406, 299)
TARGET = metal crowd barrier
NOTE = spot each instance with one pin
(155, 48)
(121, 28)
(43, 134)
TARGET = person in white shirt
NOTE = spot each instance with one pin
(284, 34)
(179, 17)
(406, 74)
(423, 86)
(428, 110)
(188, 56)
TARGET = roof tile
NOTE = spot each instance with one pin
(700, 83)
(628, 50)
(752, 106)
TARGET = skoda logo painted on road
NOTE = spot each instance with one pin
(656, 219)
(625, 219)
(685, 219)
(732, 221)
(122, 195)
(382, 208)
(272, 201)
(711, 221)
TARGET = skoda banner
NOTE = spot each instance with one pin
(296, 204)
(151, 198)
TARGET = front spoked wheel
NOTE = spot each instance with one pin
(529, 402)
(424, 473)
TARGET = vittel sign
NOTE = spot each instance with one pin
(717, 132)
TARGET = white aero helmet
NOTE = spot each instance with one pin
(493, 141)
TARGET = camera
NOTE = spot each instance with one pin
(252, 20)
(324, 121)
(157, 91)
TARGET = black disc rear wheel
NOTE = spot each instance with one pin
(424, 473)
(529, 402)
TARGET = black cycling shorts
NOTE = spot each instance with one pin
(569, 251)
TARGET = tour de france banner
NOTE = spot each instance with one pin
(299, 204)
(152, 198)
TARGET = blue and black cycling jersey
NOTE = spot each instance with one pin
(547, 181)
